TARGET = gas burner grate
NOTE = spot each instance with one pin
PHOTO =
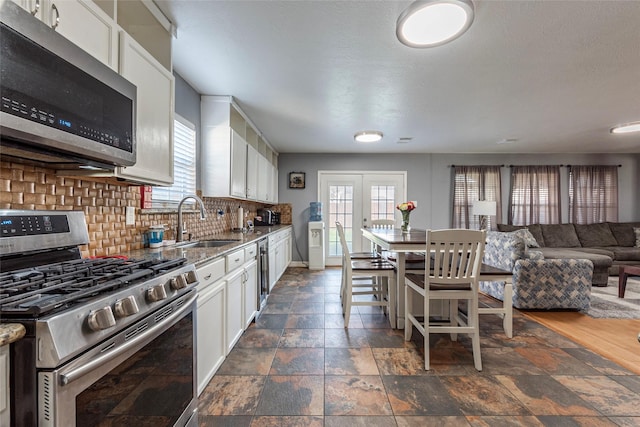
(38, 290)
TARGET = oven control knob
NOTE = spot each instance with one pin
(178, 282)
(156, 293)
(101, 319)
(126, 306)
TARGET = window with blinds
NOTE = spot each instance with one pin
(593, 194)
(535, 195)
(184, 166)
(471, 183)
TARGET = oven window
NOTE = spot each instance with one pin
(151, 388)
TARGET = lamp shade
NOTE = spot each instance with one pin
(484, 207)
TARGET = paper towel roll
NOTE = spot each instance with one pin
(240, 218)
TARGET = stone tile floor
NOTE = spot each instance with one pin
(298, 366)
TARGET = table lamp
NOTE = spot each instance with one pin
(484, 209)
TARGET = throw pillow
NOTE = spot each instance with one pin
(528, 238)
(636, 231)
(560, 236)
(595, 235)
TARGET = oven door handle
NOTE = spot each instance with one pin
(74, 374)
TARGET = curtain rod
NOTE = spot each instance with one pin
(476, 166)
(594, 165)
(537, 165)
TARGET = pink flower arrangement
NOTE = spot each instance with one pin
(406, 206)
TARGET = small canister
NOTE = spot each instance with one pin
(156, 234)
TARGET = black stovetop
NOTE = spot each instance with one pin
(45, 289)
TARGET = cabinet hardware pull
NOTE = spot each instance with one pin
(208, 276)
(36, 8)
(54, 9)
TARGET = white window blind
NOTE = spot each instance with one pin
(184, 166)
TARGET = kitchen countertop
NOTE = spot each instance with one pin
(10, 332)
(200, 256)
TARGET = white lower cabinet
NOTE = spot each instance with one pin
(235, 325)
(250, 292)
(210, 334)
(227, 304)
(279, 255)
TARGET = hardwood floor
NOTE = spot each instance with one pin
(615, 339)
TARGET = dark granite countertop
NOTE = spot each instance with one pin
(11, 332)
(200, 256)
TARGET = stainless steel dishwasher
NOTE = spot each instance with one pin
(263, 269)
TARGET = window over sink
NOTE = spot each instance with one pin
(184, 137)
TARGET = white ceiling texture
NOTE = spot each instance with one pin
(554, 76)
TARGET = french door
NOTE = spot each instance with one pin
(355, 199)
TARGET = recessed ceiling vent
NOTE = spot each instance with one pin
(404, 139)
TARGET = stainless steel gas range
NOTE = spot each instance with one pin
(110, 341)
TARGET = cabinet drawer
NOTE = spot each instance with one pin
(235, 260)
(250, 252)
(211, 273)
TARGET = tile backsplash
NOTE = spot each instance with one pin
(104, 205)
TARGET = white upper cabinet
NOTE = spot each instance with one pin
(95, 28)
(232, 164)
(252, 173)
(238, 165)
(82, 22)
(154, 115)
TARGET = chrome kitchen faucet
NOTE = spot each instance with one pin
(181, 226)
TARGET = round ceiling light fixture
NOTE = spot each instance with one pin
(430, 23)
(368, 136)
(626, 128)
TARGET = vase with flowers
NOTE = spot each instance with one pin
(405, 209)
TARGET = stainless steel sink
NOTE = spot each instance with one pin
(215, 243)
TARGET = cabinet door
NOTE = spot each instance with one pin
(274, 184)
(210, 332)
(252, 173)
(86, 25)
(238, 165)
(264, 174)
(234, 323)
(273, 273)
(287, 250)
(250, 292)
(154, 115)
(34, 7)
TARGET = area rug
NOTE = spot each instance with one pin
(605, 303)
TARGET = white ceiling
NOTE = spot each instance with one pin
(555, 75)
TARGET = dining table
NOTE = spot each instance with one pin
(415, 240)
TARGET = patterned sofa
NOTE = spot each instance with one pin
(538, 283)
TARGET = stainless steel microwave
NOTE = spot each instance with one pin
(60, 105)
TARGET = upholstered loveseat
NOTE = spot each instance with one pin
(538, 283)
(608, 245)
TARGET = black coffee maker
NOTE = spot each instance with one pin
(266, 216)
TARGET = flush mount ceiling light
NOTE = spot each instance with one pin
(626, 128)
(368, 136)
(433, 23)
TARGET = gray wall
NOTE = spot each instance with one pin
(429, 181)
(428, 175)
(187, 104)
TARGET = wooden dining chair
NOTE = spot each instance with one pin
(381, 292)
(452, 268)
